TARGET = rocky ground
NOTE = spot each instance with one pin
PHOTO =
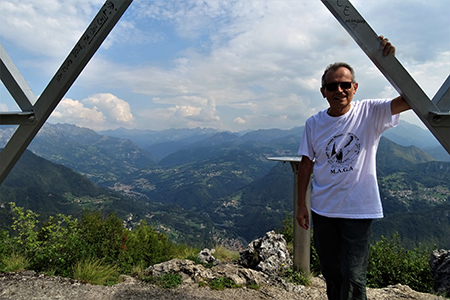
(30, 285)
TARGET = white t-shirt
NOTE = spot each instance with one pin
(344, 151)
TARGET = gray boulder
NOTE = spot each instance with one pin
(440, 268)
(192, 273)
(268, 254)
(187, 268)
(206, 257)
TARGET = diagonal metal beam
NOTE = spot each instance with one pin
(15, 83)
(75, 62)
(436, 120)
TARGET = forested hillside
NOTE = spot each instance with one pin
(48, 188)
(211, 187)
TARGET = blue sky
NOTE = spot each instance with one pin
(230, 65)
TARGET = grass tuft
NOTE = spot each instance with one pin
(296, 277)
(14, 263)
(253, 286)
(94, 272)
(137, 270)
(184, 251)
(221, 283)
(169, 280)
(225, 254)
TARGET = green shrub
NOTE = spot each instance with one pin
(105, 238)
(61, 242)
(24, 226)
(52, 248)
(93, 271)
(6, 244)
(146, 246)
(221, 283)
(390, 263)
(60, 246)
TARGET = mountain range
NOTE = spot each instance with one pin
(162, 143)
(209, 186)
(47, 188)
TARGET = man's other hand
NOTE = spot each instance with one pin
(386, 46)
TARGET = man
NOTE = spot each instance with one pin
(339, 144)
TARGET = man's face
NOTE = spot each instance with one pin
(339, 98)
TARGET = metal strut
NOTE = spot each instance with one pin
(434, 114)
(33, 117)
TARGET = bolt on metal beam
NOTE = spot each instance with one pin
(17, 118)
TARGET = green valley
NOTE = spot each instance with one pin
(211, 187)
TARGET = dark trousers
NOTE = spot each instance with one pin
(343, 249)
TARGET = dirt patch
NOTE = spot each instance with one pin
(28, 285)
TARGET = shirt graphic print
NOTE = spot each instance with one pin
(342, 150)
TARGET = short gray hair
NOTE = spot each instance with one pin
(334, 67)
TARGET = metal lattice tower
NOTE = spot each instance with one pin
(32, 117)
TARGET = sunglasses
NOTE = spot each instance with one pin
(334, 85)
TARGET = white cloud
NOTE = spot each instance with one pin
(47, 30)
(388, 93)
(74, 112)
(99, 112)
(114, 108)
(46, 27)
(191, 18)
(183, 100)
(180, 116)
(196, 60)
(239, 121)
(430, 75)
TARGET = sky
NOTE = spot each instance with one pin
(225, 64)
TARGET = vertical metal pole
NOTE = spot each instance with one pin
(302, 237)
